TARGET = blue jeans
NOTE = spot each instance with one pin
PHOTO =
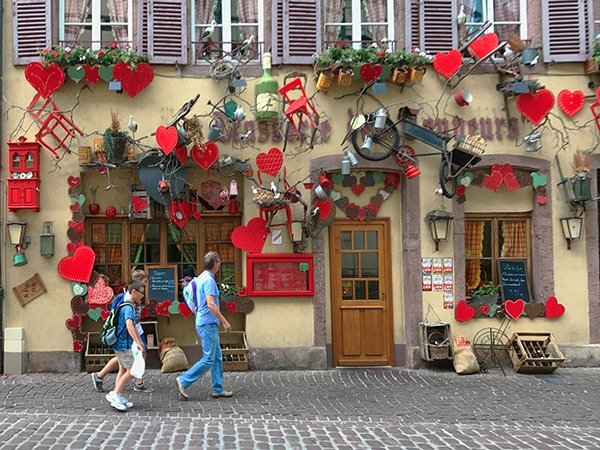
(212, 359)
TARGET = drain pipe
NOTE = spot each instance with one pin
(2, 199)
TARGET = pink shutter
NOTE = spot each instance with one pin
(167, 32)
(437, 28)
(277, 34)
(296, 31)
(32, 30)
(564, 25)
(142, 28)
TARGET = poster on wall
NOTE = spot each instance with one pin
(448, 265)
(437, 265)
(426, 282)
(448, 300)
(437, 282)
(448, 283)
(426, 264)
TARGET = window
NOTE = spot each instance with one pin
(107, 243)
(95, 22)
(489, 240)
(358, 20)
(236, 21)
(596, 15)
(506, 16)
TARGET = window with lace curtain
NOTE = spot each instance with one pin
(358, 20)
(488, 240)
(506, 16)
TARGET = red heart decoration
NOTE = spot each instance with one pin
(184, 310)
(570, 102)
(511, 182)
(179, 213)
(205, 155)
(553, 308)
(534, 107)
(133, 81)
(104, 314)
(45, 80)
(79, 266)
(541, 199)
(100, 293)
(503, 168)
(144, 313)
(493, 181)
(196, 215)
(181, 153)
(358, 189)
(166, 138)
(76, 225)
(162, 309)
(250, 237)
(369, 72)
(138, 204)
(91, 73)
(74, 181)
(447, 64)
(72, 247)
(77, 346)
(270, 163)
(515, 308)
(242, 292)
(485, 309)
(74, 206)
(484, 45)
(463, 311)
(74, 323)
(325, 207)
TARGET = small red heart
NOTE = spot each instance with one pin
(104, 314)
(205, 155)
(493, 181)
(74, 322)
(242, 292)
(166, 138)
(271, 162)
(184, 310)
(463, 311)
(358, 189)
(460, 189)
(511, 182)
(76, 225)
(162, 309)
(75, 206)
(515, 308)
(144, 313)
(74, 181)
(77, 346)
(535, 107)
(553, 308)
(100, 294)
(325, 207)
(447, 64)
(72, 247)
(179, 213)
(138, 203)
(91, 73)
(181, 153)
(570, 102)
(484, 45)
(485, 309)
(541, 199)
(196, 215)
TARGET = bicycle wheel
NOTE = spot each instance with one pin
(373, 144)
(447, 182)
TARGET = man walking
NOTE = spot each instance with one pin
(208, 317)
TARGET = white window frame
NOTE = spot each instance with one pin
(357, 24)
(96, 9)
(227, 25)
(489, 15)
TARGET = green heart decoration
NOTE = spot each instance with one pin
(80, 200)
(79, 289)
(493, 309)
(466, 179)
(76, 73)
(94, 314)
(174, 308)
(378, 177)
(337, 177)
(106, 73)
(538, 179)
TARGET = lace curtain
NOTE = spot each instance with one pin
(118, 13)
(75, 11)
(473, 248)
(334, 10)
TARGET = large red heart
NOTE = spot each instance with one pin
(325, 207)
(447, 64)
(179, 213)
(166, 138)
(570, 102)
(205, 155)
(138, 204)
(74, 322)
(46, 79)
(511, 182)
(250, 237)
(184, 310)
(369, 72)
(271, 162)
(484, 45)
(493, 181)
(100, 293)
(463, 312)
(535, 107)
(79, 266)
(553, 308)
(91, 73)
(133, 81)
(515, 308)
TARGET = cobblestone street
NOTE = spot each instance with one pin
(338, 409)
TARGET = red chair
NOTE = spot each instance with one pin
(298, 107)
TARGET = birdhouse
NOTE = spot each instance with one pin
(24, 176)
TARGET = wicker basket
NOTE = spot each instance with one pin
(438, 352)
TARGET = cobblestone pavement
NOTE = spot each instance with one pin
(337, 409)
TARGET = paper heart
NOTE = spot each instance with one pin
(100, 293)
(104, 314)
(538, 179)
(75, 207)
(94, 314)
(166, 138)
(91, 73)
(494, 309)
(485, 309)
(133, 81)
(342, 202)
(196, 215)
(349, 181)
(78, 215)
(460, 191)
(74, 235)
(181, 153)
(533, 310)
(179, 212)
(71, 247)
(44, 79)
(76, 225)
(337, 178)
(74, 181)
(511, 182)
(335, 195)
(384, 194)
(358, 189)
(106, 73)
(79, 305)
(79, 266)
(138, 204)
(553, 308)
(447, 64)
(79, 289)
(369, 72)
(367, 179)
(493, 181)
(463, 311)
(379, 177)
(162, 309)
(80, 199)
(352, 210)
(514, 308)
(484, 45)
(535, 107)
(74, 322)
(76, 73)
(271, 162)
(144, 313)
(541, 199)
(205, 155)
(325, 208)
(77, 346)
(174, 308)
(184, 310)
(570, 102)
(466, 179)
(75, 192)
(377, 200)
(250, 237)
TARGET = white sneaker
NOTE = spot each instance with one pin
(115, 401)
(126, 402)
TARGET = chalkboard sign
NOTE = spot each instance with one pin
(514, 283)
(162, 283)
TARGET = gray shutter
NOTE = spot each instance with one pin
(438, 31)
(32, 30)
(296, 31)
(167, 32)
(142, 28)
(277, 33)
(564, 24)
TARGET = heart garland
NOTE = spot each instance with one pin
(499, 175)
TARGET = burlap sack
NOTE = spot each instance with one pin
(173, 360)
(465, 361)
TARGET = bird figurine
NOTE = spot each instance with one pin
(461, 18)
(273, 188)
(132, 125)
(243, 49)
(207, 37)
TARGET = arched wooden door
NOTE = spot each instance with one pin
(361, 293)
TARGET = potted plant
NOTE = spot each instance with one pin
(398, 62)
(416, 60)
(592, 64)
(115, 140)
(487, 292)
(581, 182)
(345, 68)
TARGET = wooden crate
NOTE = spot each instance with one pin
(235, 351)
(96, 354)
(434, 341)
(534, 352)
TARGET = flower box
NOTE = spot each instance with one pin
(490, 299)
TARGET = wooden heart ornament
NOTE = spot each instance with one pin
(138, 204)
(570, 102)
(463, 311)
(133, 81)
(493, 181)
(45, 79)
(535, 107)
(184, 310)
(74, 323)
(79, 266)
(514, 308)
(447, 64)
(91, 73)
(250, 237)
(553, 308)
(166, 138)
(205, 154)
(270, 162)
(179, 213)
(484, 45)
(369, 72)
(325, 208)
(100, 293)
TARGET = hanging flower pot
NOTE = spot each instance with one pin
(324, 80)
(417, 74)
(118, 145)
(400, 75)
(345, 77)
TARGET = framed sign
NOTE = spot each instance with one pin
(279, 275)
(162, 283)
(514, 281)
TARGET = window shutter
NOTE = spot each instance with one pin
(296, 31)
(32, 30)
(432, 26)
(167, 32)
(142, 28)
(564, 24)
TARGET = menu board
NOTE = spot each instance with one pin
(162, 283)
(514, 283)
(280, 275)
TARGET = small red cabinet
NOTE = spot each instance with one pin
(24, 176)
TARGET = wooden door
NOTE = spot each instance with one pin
(361, 293)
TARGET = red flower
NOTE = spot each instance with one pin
(114, 45)
(100, 53)
(380, 54)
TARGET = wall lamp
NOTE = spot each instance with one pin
(439, 225)
(17, 238)
(571, 228)
(47, 240)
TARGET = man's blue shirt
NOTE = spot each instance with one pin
(206, 285)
